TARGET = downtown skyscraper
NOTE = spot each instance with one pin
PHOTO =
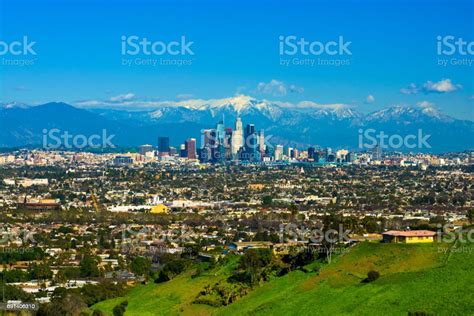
(237, 138)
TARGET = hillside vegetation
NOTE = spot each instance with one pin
(413, 278)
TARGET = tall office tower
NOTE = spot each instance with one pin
(289, 152)
(311, 153)
(249, 130)
(173, 151)
(377, 152)
(261, 142)
(328, 152)
(295, 153)
(219, 154)
(349, 157)
(278, 152)
(220, 132)
(237, 138)
(143, 149)
(182, 151)
(250, 143)
(228, 143)
(164, 146)
(190, 147)
(228, 137)
(207, 145)
(206, 138)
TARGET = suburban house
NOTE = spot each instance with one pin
(409, 236)
(159, 209)
(243, 246)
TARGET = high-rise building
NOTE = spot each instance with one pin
(208, 145)
(237, 138)
(377, 152)
(182, 151)
(295, 154)
(191, 148)
(163, 146)
(251, 144)
(219, 155)
(261, 142)
(173, 151)
(278, 152)
(249, 130)
(311, 153)
(289, 152)
(144, 149)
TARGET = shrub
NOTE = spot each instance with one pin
(372, 276)
(119, 309)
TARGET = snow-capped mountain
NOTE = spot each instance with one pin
(339, 113)
(235, 106)
(304, 124)
(408, 114)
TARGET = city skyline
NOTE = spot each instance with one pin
(236, 157)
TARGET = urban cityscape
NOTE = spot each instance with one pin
(210, 158)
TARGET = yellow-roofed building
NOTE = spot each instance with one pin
(159, 209)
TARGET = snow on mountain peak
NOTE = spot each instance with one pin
(11, 105)
(238, 103)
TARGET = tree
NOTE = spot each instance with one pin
(330, 234)
(71, 304)
(267, 200)
(16, 293)
(253, 261)
(89, 267)
(60, 277)
(119, 309)
(40, 271)
(141, 266)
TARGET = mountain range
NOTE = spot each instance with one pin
(335, 126)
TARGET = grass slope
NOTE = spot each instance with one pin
(413, 278)
(174, 297)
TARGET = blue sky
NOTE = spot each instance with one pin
(236, 50)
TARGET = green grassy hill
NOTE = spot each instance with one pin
(414, 278)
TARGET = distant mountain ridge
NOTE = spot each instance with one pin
(336, 126)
